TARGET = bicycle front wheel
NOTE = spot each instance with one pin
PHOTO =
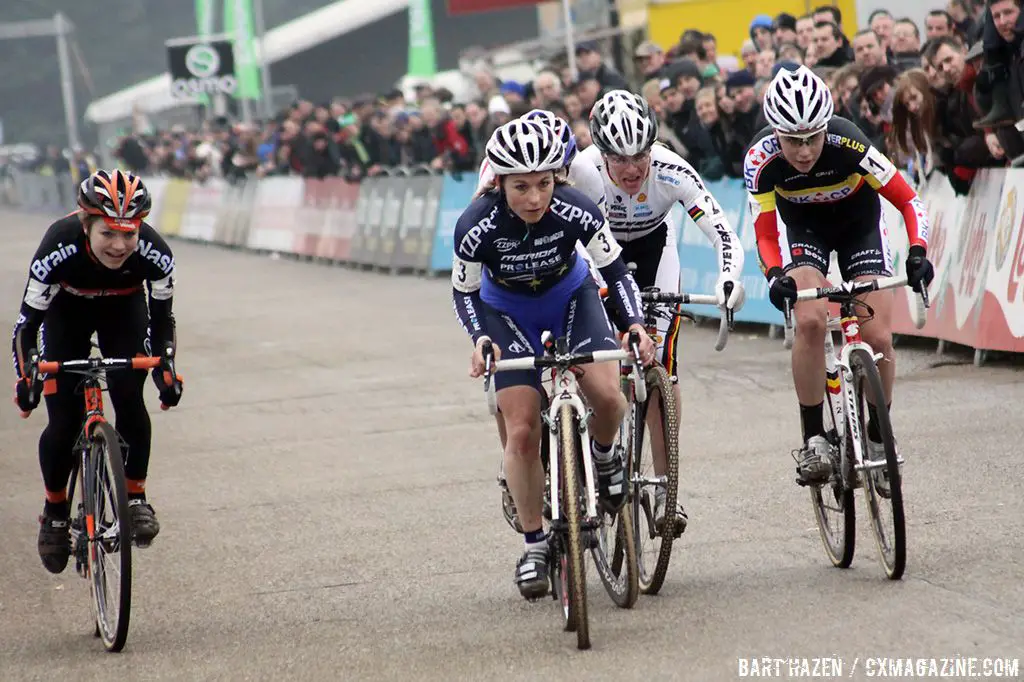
(884, 510)
(574, 571)
(109, 532)
(654, 544)
(833, 500)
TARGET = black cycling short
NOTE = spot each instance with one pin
(121, 324)
(862, 247)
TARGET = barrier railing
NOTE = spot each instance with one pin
(404, 220)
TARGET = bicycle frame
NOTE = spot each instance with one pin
(842, 396)
(566, 391)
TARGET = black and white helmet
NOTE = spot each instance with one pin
(522, 146)
(623, 123)
(797, 102)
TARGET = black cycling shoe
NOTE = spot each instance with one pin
(532, 574)
(54, 542)
(611, 483)
(145, 527)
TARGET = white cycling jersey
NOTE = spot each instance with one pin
(583, 175)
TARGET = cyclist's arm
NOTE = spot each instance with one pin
(705, 211)
(606, 254)
(467, 278)
(766, 230)
(881, 174)
(40, 289)
(160, 277)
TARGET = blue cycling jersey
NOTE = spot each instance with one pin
(515, 261)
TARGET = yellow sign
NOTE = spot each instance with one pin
(728, 20)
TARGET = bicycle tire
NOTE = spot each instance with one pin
(571, 498)
(840, 545)
(106, 475)
(623, 588)
(658, 383)
(867, 382)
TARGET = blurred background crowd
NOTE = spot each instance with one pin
(942, 97)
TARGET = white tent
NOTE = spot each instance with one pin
(287, 40)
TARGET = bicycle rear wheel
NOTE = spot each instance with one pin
(833, 501)
(574, 570)
(615, 550)
(109, 531)
(885, 512)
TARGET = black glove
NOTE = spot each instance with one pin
(170, 389)
(781, 287)
(24, 397)
(919, 269)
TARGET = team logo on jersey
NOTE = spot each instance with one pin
(43, 266)
(162, 260)
(504, 244)
(668, 179)
(642, 197)
(541, 241)
(849, 143)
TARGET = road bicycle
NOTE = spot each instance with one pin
(101, 529)
(576, 523)
(852, 380)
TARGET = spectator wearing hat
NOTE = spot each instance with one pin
(588, 89)
(650, 59)
(588, 59)
(867, 50)
(828, 46)
(652, 92)
(748, 53)
(761, 32)
(513, 92)
(784, 29)
(790, 52)
(499, 111)
(876, 103)
(739, 88)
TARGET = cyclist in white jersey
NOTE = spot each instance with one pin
(642, 182)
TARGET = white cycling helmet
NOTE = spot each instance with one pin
(623, 123)
(522, 146)
(797, 102)
(559, 126)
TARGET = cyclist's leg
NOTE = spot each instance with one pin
(123, 331)
(805, 257)
(65, 336)
(588, 329)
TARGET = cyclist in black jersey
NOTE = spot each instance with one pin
(100, 269)
(822, 176)
(516, 273)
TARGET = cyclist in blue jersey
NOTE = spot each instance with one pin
(516, 273)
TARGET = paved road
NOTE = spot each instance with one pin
(327, 496)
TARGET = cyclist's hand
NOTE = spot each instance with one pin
(919, 269)
(476, 365)
(24, 397)
(646, 343)
(170, 389)
(734, 301)
(781, 287)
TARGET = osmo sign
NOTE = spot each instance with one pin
(201, 67)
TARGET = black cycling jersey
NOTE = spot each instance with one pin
(64, 266)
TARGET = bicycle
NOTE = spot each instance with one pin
(647, 486)
(851, 377)
(575, 522)
(101, 529)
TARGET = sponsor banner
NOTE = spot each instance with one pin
(421, 260)
(275, 212)
(394, 198)
(201, 67)
(1001, 323)
(199, 220)
(412, 222)
(172, 212)
(456, 195)
(232, 225)
(312, 215)
(698, 260)
(157, 189)
(369, 210)
(339, 224)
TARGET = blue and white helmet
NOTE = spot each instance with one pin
(522, 146)
(560, 127)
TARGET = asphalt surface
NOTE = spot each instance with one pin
(327, 496)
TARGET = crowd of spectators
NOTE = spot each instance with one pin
(944, 99)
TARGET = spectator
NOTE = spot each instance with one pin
(499, 111)
(748, 53)
(547, 87)
(452, 150)
(1000, 38)
(573, 106)
(692, 48)
(650, 59)
(906, 45)
(805, 32)
(939, 23)
(832, 14)
(761, 32)
(581, 129)
(514, 93)
(867, 50)
(740, 89)
(784, 29)
(791, 52)
(876, 103)
(710, 45)
(880, 22)
(844, 91)
(828, 45)
(486, 84)
(728, 150)
(588, 89)
(963, 21)
(589, 59)
(477, 129)
(763, 67)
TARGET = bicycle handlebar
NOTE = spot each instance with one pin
(54, 367)
(726, 323)
(848, 291)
